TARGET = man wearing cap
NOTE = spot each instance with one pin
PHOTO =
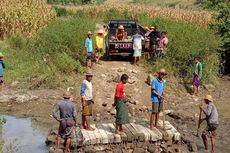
(89, 49)
(87, 101)
(67, 120)
(2, 67)
(100, 43)
(157, 96)
(212, 123)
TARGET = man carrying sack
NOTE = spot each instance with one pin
(87, 101)
(212, 123)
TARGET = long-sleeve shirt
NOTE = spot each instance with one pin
(86, 90)
(100, 40)
(212, 114)
(66, 108)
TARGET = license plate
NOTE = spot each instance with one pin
(123, 46)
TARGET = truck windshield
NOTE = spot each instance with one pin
(125, 24)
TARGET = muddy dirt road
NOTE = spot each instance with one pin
(39, 104)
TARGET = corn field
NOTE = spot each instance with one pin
(23, 16)
(202, 18)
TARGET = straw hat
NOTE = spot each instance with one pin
(209, 98)
(66, 94)
(89, 33)
(162, 71)
(1, 55)
(121, 27)
(88, 73)
(152, 27)
(100, 31)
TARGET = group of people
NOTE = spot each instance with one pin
(100, 46)
(158, 41)
(68, 116)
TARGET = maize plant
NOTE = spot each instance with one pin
(202, 18)
(25, 17)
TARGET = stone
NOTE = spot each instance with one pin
(14, 83)
(103, 75)
(104, 104)
(152, 148)
(194, 147)
(113, 111)
(149, 79)
(117, 78)
(139, 150)
(209, 87)
(134, 71)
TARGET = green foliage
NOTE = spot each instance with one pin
(60, 11)
(52, 57)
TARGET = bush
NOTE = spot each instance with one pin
(51, 58)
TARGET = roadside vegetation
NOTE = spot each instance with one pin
(54, 56)
(181, 4)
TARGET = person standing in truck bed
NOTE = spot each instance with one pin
(121, 34)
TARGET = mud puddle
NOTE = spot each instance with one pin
(21, 136)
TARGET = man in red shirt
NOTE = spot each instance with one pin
(122, 116)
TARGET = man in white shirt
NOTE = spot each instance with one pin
(137, 47)
(87, 101)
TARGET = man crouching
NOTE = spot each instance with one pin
(67, 120)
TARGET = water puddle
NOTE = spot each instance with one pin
(20, 136)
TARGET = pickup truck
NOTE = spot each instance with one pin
(121, 48)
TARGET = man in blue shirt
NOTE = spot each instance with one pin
(157, 95)
(89, 48)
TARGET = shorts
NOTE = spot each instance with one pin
(99, 52)
(196, 82)
(157, 107)
(89, 56)
(210, 130)
(137, 53)
(66, 128)
(87, 110)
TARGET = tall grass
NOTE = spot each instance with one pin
(55, 56)
(24, 17)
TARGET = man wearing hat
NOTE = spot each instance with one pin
(87, 101)
(100, 43)
(2, 67)
(67, 120)
(212, 123)
(89, 48)
(157, 96)
(121, 34)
